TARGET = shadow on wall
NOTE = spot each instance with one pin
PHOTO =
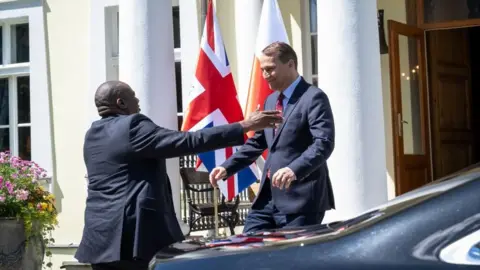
(56, 188)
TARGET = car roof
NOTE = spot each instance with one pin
(334, 230)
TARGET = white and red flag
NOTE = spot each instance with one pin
(271, 29)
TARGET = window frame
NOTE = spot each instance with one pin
(308, 60)
(11, 72)
(31, 11)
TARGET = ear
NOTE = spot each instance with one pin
(290, 63)
(121, 103)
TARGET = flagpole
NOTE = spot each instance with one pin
(215, 209)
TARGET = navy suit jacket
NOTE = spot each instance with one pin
(303, 143)
(129, 209)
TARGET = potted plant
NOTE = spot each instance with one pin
(27, 214)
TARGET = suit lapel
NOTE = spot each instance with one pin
(292, 103)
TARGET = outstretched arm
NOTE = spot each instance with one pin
(247, 154)
(149, 140)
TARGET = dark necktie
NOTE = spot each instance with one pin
(279, 107)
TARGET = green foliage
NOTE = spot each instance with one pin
(24, 198)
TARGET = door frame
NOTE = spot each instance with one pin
(420, 24)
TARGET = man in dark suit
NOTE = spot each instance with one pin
(295, 188)
(129, 211)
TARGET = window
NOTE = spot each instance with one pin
(15, 119)
(313, 40)
(112, 49)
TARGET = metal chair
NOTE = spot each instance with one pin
(199, 194)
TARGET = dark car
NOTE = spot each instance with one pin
(433, 227)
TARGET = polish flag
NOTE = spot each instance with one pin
(271, 29)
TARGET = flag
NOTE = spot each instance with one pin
(271, 29)
(214, 101)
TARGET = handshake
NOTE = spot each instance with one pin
(259, 120)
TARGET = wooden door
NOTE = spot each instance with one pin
(409, 107)
(451, 100)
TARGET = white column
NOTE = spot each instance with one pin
(245, 38)
(349, 72)
(147, 64)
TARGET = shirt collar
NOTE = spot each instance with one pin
(289, 91)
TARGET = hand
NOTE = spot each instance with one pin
(283, 178)
(217, 173)
(259, 120)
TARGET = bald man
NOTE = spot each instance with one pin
(129, 213)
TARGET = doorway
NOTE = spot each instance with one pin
(435, 102)
(453, 60)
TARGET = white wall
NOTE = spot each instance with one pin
(67, 34)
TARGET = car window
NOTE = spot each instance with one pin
(465, 250)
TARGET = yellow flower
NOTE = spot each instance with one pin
(50, 207)
(44, 205)
(50, 198)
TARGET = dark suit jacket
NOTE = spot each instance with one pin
(303, 143)
(129, 210)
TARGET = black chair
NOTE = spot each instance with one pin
(200, 196)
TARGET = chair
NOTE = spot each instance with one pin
(199, 194)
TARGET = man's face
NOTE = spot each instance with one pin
(275, 72)
(129, 102)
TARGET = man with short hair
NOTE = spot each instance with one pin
(295, 188)
(129, 211)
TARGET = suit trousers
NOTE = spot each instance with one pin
(122, 265)
(270, 218)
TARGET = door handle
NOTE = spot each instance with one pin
(400, 125)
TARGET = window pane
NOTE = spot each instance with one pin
(178, 82)
(176, 27)
(314, 41)
(1, 46)
(4, 139)
(448, 10)
(4, 113)
(23, 96)
(180, 121)
(313, 16)
(20, 44)
(24, 149)
(410, 91)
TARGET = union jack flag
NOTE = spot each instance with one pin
(214, 102)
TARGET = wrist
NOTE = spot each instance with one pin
(246, 126)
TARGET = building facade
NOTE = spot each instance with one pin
(55, 53)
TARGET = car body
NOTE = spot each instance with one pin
(434, 227)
